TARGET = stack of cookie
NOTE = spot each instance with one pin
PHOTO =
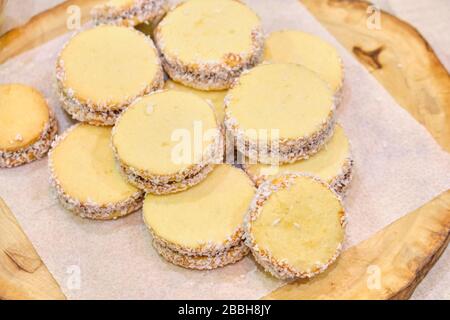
(157, 145)
(282, 117)
(287, 122)
(165, 145)
(202, 228)
(280, 113)
(101, 71)
(332, 162)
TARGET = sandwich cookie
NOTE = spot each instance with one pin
(202, 228)
(206, 44)
(167, 142)
(280, 113)
(333, 164)
(232, 255)
(85, 176)
(102, 70)
(27, 125)
(291, 46)
(295, 226)
(130, 13)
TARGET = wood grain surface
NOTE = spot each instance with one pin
(388, 265)
(23, 275)
(41, 28)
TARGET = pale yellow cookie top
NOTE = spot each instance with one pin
(24, 114)
(327, 164)
(109, 65)
(300, 225)
(84, 165)
(200, 31)
(165, 132)
(280, 97)
(209, 212)
(214, 98)
(291, 46)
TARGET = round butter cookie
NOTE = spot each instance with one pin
(102, 70)
(280, 112)
(295, 226)
(206, 220)
(292, 46)
(130, 13)
(230, 256)
(27, 126)
(333, 164)
(86, 178)
(168, 141)
(206, 44)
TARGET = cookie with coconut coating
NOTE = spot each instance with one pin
(27, 125)
(207, 44)
(204, 221)
(167, 141)
(280, 113)
(85, 177)
(295, 226)
(102, 70)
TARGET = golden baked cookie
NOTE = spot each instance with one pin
(130, 13)
(333, 164)
(292, 46)
(27, 126)
(295, 226)
(206, 44)
(280, 112)
(167, 141)
(86, 178)
(102, 70)
(204, 221)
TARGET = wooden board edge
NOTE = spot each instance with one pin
(42, 28)
(422, 271)
(23, 275)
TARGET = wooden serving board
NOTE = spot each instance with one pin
(403, 252)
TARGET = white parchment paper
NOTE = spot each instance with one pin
(399, 167)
